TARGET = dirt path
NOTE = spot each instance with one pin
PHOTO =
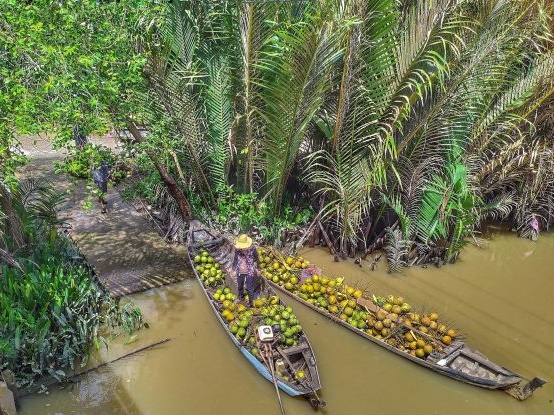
(127, 255)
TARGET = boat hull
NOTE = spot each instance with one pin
(509, 381)
(297, 389)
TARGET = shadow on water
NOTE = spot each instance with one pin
(101, 392)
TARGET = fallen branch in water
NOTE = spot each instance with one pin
(51, 381)
(141, 349)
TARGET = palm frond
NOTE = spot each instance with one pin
(255, 28)
(406, 198)
(430, 34)
(499, 208)
(170, 71)
(345, 187)
(297, 67)
(396, 248)
(39, 199)
(219, 118)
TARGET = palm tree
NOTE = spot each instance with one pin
(24, 212)
(416, 116)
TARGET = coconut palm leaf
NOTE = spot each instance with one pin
(397, 250)
(378, 53)
(430, 33)
(345, 187)
(406, 203)
(256, 26)
(171, 71)
(297, 67)
(335, 109)
(448, 208)
(472, 82)
(219, 118)
(428, 103)
(395, 203)
(219, 61)
(499, 208)
(430, 224)
(39, 199)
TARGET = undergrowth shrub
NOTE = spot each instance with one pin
(78, 163)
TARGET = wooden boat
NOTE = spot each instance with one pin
(291, 359)
(456, 361)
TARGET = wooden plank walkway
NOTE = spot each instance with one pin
(126, 254)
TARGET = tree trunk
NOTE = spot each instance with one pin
(11, 222)
(168, 179)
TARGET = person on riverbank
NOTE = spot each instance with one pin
(100, 177)
(245, 265)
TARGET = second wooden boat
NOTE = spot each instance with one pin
(420, 340)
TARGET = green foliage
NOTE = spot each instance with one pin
(297, 65)
(245, 212)
(51, 308)
(144, 185)
(79, 163)
(348, 101)
(375, 94)
(396, 249)
(50, 316)
(68, 62)
(173, 109)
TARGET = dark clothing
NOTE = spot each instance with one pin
(250, 287)
(246, 264)
(100, 177)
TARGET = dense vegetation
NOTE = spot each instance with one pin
(51, 309)
(56, 75)
(416, 120)
(80, 162)
(396, 121)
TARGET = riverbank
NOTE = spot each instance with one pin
(125, 253)
(7, 402)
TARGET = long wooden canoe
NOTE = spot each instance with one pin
(291, 360)
(456, 360)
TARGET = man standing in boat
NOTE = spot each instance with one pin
(245, 265)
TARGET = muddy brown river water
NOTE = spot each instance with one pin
(500, 296)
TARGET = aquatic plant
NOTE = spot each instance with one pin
(52, 311)
(50, 317)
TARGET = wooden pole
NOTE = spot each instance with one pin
(274, 378)
(327, 240)
(50, 381)
(141, 349)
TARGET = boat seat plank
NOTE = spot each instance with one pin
(296, 349)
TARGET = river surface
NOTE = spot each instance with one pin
(500, 296)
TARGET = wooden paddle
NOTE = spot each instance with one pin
(267, 355)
